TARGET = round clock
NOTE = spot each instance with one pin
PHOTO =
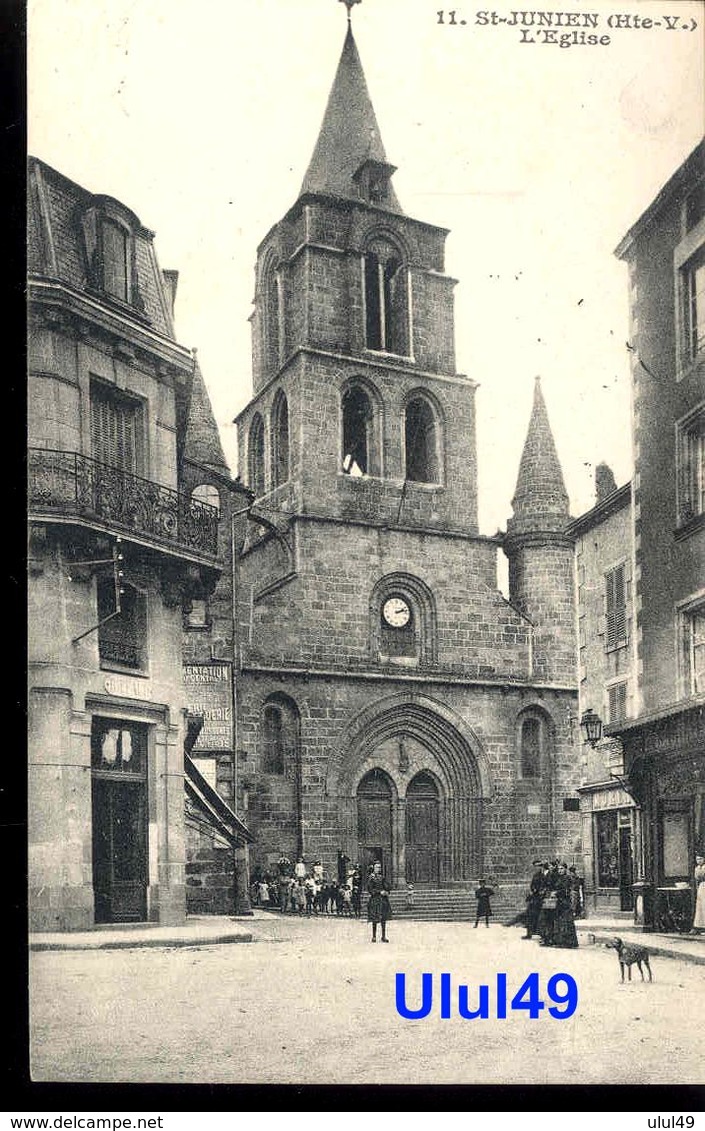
(396, 612)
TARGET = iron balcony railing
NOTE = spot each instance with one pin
(73, 484)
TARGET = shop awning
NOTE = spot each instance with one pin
(216, 811)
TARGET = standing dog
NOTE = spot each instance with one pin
(628, 955)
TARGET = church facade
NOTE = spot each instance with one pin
(392, 703)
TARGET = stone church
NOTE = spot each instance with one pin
(392, 703)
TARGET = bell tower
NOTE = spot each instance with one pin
(392, 705)
(358, 412)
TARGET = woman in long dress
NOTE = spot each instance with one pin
(378, 908)
(564, 934)
(699, 920)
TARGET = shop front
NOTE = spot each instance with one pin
(612, 846)
(665, 768)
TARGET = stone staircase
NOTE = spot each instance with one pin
(446, 904)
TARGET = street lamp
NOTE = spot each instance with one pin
(591, 726)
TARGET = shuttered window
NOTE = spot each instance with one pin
(115, 429)
(616, 601)
(116, 260)
(616, 702)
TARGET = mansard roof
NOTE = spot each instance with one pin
(349, 135)
(540, 499)
(61, 218)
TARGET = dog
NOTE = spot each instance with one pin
(628, 955)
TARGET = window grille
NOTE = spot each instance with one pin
(122, 638)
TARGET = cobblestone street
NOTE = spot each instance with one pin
(313, 1001)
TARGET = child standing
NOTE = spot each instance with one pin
(484, 910)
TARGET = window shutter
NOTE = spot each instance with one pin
(115, 260)
(617, 702)
(616, 607)
(114, 430)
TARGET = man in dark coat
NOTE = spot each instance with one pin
(484, 910)
(533, 899)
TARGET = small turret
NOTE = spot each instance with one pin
(541, 572)
(202, 444)
(540, 499)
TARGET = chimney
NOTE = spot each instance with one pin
(171, 281)
(605, 483)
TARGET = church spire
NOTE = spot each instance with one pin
(540, 500)
(349, 160)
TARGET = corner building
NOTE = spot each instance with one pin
(391, 702)
(664, 740)
(125, 537)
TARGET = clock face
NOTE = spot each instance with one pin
(396, 612)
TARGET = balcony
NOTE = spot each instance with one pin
(72, 486)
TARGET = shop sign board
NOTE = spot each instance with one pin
(209, 695)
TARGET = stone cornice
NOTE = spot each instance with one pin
(48, 293)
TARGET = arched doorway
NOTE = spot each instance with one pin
(422, 830)
(374, 821)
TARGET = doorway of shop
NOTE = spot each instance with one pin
(119, 797)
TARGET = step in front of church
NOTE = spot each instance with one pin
(446, 905)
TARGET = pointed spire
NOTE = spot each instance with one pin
(202, 443)
(349, 138)
(540, 500)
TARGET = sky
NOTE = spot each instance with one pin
(202, 118)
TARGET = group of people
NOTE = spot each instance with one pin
(298, 890)
(554, 901)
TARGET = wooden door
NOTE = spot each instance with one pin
(119, 794)
(626, 862)
(422, 830)
(374, 822)
(119, 856)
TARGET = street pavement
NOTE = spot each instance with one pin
(313, 1001)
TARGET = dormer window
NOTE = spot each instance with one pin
(372, 180)
(109, 241)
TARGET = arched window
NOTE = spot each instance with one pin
(533, 736)
(360, 442)
(422, 442)
(280, 736)
(272, 318)
(402, 621)
(280, 440)
(256, 455)
(386, 299)
(207, 493)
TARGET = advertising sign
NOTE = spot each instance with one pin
(208, 692)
